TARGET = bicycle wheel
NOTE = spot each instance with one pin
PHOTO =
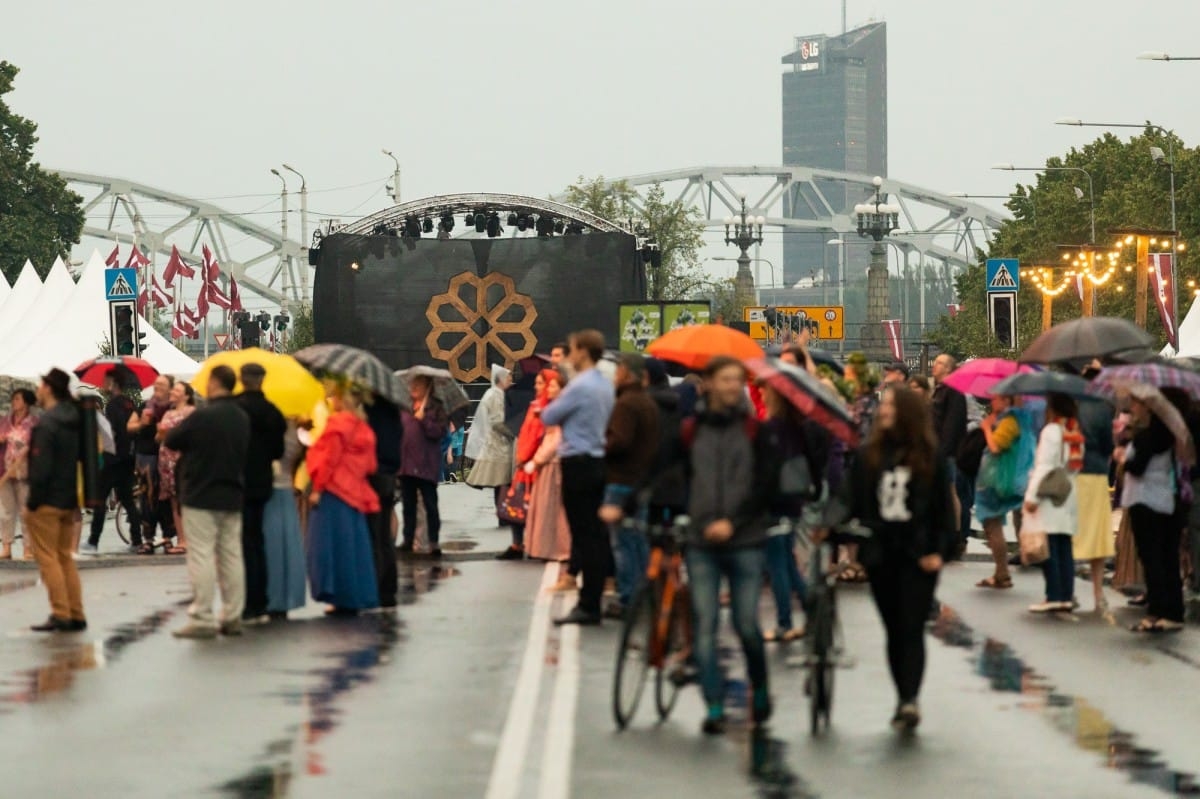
(666, 689)
(120, 519)
(633, 657)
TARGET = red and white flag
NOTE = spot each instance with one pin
(136, 259)
(181, 326)
(176, 266)
(202, 302)
(235, 297)
(211, 291)
(891, 331)
(1162, 280)
(114, 258)
(953, 309)
(191, 316)
(162, 298)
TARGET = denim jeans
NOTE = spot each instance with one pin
(744, 569)
(964, 486)
(631, 552)
(785, 577)
(1059, 569)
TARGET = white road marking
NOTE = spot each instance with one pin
(508, 767)
(560, 728)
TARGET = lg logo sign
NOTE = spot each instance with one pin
(810, 50)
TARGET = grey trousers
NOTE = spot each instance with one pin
(215, 555)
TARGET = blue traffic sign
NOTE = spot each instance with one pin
(1003, 275)
(120, 285)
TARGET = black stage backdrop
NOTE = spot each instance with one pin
(464, 304)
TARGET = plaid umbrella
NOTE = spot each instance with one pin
(358, 366)
(446, 389)
(1115, 380)
(1086, 338)
(1161, 407)
(978, 378)
(808, 395)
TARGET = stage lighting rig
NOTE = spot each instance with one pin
(427, 225)
(412, 227)
(493, 225)
(481, 221)
(448, 222)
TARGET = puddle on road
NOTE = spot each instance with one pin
(1087, 726)
(13, 586)
(299, 753)
(770, 772)
(34, 685)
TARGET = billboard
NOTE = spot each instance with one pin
(642, 322)
(811, 55)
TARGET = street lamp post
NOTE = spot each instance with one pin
(1091, 193)
(303, 231)
(841, 282)
(744, 231)
(876, 220)
(395, 176)
(1157, 156)
(283, 258)
(752, 260)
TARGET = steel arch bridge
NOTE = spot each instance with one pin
(261, 259)
(434, 208)
(943, 228)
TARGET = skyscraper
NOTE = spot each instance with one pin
(834, 117)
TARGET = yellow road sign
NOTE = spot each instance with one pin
(827, 318)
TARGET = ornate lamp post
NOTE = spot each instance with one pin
(744, 231)
(876, 220)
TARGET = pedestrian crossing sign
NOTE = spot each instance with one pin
(120, 285)
(1003, 275)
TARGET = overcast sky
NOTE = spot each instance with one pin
(523, 97)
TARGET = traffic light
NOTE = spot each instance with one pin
(1002, 314)
(124, 333)
(141, 345)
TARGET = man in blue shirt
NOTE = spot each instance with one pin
(582, 410)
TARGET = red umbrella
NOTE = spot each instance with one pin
(808, 395)
(95, 370)
(977, 378)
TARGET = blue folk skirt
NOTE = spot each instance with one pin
(341, 565)
(285, 552)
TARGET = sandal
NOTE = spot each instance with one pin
(146, 549)
(1146, 625)
(999, 583)
(1167, 626)
(173, 550)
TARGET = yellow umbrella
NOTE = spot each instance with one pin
(290, 386)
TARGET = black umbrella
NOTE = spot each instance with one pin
(1086, 338)
(355, 365)
(1042, 383)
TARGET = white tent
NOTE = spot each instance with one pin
(50, 300)
(1189, 333)
(4, 289)
(77, 331)
(23, 294)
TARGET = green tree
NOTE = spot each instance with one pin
(301, 334)
(672, 225)
(1131, 189)
(40, 218)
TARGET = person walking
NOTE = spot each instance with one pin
(213, 443)
(1003, 476)
(1094, 541)
(183, 403)
(733, 465)
(900, 489)
(282, 541)
(1149, 498)
(1060, 451)
(547, 532)
(582, 410)
(267, 429)
(490, 441)
(949, 427)
(117, 472)
(383, 417)
(631, 448)
(16, 432)
(420, 462)
(143, 427)
(53, 502)
(341, 563)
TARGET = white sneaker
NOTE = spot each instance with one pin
(88, 549)
(1048, 607)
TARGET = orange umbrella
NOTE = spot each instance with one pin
(694, 346)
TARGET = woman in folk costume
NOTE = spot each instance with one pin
(490, 443)
(281, 531)
(528, 441)
(547, 534)
(1059, 453)
(341, 565)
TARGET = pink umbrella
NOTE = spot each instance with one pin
(977, 378)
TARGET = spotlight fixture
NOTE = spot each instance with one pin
(412, 227)
(481, 222)
(559, 227)
(522, 222)
(493, 225)
(513, 221)
(447, 222)
(545, 226)
(469, 219)
(427, 225)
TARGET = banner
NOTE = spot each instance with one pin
(639, 324)
(1162, 281)
(891, 331)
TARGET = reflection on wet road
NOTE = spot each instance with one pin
(1089, 728)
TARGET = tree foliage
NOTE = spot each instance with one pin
(1131, 188)
(40, 218)
(672, 225)
(301, 334)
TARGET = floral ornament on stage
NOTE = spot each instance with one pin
(481, 325)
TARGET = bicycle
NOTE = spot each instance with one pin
(655, 631)
(114, 509)
(823, 636)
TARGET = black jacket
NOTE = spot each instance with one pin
(384, 420)
(214, 441)
(267, 428)
(53, 459)
(117, 411)
(949, 420)
(668, 478)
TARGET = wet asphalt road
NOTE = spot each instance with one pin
(422, 703)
